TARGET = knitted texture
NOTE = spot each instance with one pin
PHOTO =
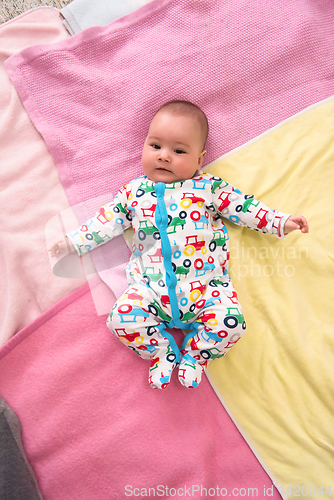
(247, 65)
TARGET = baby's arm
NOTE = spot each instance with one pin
(295, 222)
(245, 210)
(110, 221)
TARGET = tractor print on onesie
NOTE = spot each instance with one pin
(189, 198)
(147, 229)
(174, 223)
(155, 362)
(178, 271)
(135, 341)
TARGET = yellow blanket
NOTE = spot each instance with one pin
(277, 382)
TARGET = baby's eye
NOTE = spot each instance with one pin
(179, 151)
(155, 146)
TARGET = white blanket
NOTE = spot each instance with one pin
(82, 14)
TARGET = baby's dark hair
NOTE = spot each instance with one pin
(189, 109)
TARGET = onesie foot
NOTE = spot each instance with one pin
(190, 372)
(160, 373)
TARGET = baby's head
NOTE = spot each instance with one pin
(174, 147)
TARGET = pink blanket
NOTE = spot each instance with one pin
(30, 192)
(248, 65)
(93, 429)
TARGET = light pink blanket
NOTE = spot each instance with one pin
(92, 426)
(30, 192)
(249, 65)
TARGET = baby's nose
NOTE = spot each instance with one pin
(164, 155)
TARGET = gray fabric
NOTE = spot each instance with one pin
(13, 8)
(17, 480)
(82, 14)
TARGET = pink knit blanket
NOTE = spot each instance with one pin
(249, 65)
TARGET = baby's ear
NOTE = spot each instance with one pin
(201, 158)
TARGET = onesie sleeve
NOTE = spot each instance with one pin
(110, 221)
(245, 210)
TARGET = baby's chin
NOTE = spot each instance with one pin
(164, 176)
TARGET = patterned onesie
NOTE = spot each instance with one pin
(178, 270)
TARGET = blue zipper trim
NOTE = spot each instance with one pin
(171, 340)
(161, 220)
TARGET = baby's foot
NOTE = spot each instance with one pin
(160, 373)
(190, 372)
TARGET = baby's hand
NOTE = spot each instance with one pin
(60, 248)
(295, 222)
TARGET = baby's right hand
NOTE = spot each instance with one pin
(61, 248)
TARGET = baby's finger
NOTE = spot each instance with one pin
(303, 224)
(54, 250)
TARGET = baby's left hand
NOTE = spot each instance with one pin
(295, 222)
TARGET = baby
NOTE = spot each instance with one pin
(178, 270)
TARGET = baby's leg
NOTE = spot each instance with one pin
(220, 324)
(134, 321)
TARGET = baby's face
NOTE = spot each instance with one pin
(172, 150)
